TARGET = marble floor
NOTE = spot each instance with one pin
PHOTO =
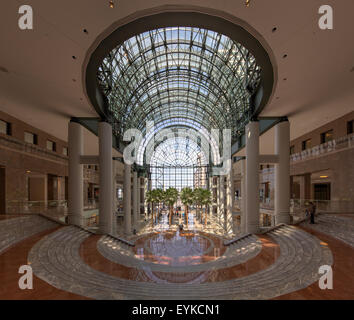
(70, 263)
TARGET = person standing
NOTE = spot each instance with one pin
(312, 213)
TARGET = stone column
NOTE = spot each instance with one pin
(105, 165)
(114, 198)
(243, 197)
(135, 199)
(282, 173)
(217, 196)
(127, 199)
(75, 180)
(221, 200)
(138, 197)
(228, 215)
(211, 189)
(252, 177)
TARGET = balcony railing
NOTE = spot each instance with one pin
(341, 143)
(56, 209)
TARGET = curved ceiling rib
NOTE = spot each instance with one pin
(178, 152)
(179, 72)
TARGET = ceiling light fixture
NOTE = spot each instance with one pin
(111, 4)
(323, 177)
(247, 3)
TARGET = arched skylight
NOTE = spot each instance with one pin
(184, 73)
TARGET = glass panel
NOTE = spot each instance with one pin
(184, 73)
(3, 127)
(29, 137)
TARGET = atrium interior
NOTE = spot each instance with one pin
(179, 150)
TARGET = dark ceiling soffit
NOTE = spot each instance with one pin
(265, 124)
(91, 124)
(171, 19)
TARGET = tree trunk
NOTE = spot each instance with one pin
(205, 221)
(171, 213)
(186, 214)
(152, 215)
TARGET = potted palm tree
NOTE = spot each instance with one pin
(159, 196)
(170, 198)
(198, 199)
(206, 202)
(152, 199)
(187, 198)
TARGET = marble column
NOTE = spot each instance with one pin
(221, 217)
(135, 199)
(243, 196)
(75, 180)
(282, 173)
(252, 177)
(127, 199)
(114, 197)
(228, 214)
(105, 165)
(138, 197)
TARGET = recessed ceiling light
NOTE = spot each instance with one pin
(74, 57)
(247, 3)
(3, 69)
(323, 177)
(285, 79)
(274, 29)
(111, 4)
(285, 56)
(85, 31)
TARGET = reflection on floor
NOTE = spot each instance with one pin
(70, 263)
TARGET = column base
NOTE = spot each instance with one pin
(253, 228)
(283, 217)
(75, 220)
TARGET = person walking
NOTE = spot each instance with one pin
(312, 213)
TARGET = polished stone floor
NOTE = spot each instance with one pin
(166, 263)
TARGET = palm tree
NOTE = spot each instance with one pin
(159, 195)
(198, 198)
(151, 198)
(171, 197)
(206, 201)
(187, 198)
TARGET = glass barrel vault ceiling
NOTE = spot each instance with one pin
(187, 74)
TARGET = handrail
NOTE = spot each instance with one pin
(341, 143)
(131, 244)
(273, 228)
(230, 242)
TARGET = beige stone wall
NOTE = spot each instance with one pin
(22, 162)
(339, 127)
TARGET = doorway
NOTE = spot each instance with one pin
(2, 191)
(322, 191)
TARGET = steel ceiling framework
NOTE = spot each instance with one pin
(181, 73)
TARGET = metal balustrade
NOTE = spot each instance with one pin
(341, 143)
